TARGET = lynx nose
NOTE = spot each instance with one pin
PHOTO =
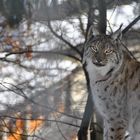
(98, 59)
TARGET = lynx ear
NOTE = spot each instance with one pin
(117, 34)
(92, 31)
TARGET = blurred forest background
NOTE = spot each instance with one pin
(43, 88)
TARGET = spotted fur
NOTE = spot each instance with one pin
(115, 84)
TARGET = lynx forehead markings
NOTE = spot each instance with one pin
(115, 84)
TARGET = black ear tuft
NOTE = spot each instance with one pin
(117, 34)
(92, 32)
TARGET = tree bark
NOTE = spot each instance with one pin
(69, 8)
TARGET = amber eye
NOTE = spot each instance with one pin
(108, 51)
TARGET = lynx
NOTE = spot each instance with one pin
(115, 85)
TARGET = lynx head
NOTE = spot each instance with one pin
(103, 51)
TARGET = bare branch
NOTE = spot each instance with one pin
(39, 119)
(20, 92)
(31, 136)
(131, 24)
(60, 130)
(56, 52)
(62, 39)
(14, 62)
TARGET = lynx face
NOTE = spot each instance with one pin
(104, 52)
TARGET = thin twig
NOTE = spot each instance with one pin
(60, 129)
(22, 94)
(64, 40)
(39, 119)
(131, 24)
(47, 52)
(6, 126)
(13, 62)
(31, 136)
